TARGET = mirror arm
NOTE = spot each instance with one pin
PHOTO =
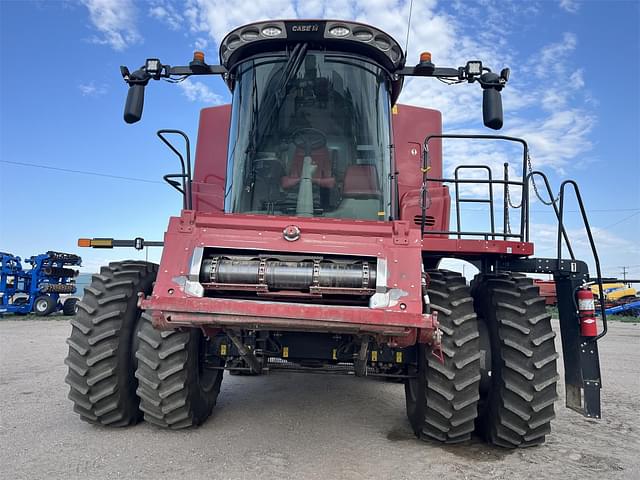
(194, 70)
(428, 72)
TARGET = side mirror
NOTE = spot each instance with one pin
(491, 100)
(135, 96)
(492, 108)
(134, 104)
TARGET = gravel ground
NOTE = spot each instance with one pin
(294, 426)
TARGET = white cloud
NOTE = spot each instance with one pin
(199, 92)
(115, 20)
(167, 13)
(218, 17)
(92, 90)
(612, 249)
(201, 43)
(571, 6)
(557, 138)
(552, 58)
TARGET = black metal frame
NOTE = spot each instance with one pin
(264, 352)
(185, 175)
(490, 181)
(562, 235)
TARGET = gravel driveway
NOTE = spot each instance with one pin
(290, 425)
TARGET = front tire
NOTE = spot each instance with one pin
(102, 344)
(70, 306)
(442, 402)
(517, 408)
(175, 387)
(44, 305)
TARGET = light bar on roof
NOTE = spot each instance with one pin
(331, 34)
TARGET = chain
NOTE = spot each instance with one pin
(535, 187)
(508, 194)
(535, 190)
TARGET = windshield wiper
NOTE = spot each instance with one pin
(290, 70)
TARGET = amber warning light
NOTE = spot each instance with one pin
(96, 242)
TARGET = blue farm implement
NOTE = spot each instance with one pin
(38, 289)
(630, 308)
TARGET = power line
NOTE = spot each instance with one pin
(81, 172)
(144, 180)
(623, 220)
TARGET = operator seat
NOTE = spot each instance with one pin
(323, 176)
(361, 194)
(361, 182)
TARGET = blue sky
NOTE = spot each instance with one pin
(573, 95)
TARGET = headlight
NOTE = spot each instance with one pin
(271, 31)
(474, 68)
(339, 31)
(152, 66)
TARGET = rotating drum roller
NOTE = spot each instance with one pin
(284, 275)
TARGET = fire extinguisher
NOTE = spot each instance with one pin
(587, 312)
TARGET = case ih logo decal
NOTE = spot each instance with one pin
(305, 28)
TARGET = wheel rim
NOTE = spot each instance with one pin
(41, 306)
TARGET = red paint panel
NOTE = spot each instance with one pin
(454, 247)
(411, 125)
(256, 310)
(211, 159)
(401, 250)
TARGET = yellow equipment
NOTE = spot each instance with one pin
(614, 291)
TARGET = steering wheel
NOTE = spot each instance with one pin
(309, 139)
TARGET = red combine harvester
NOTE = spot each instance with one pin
(310, 240)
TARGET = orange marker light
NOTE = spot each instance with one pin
(425, 57)
(84, 242)
(198, 56)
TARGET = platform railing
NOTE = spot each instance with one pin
(490, 181)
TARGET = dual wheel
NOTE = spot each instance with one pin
(121, 369)
(44, 305)
(498, 376)
(499, 372)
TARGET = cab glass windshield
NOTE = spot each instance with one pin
(310, 137)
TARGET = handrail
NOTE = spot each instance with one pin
(592, 244)
(555, 209)
(187, 201)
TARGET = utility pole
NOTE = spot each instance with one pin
(624, 273)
